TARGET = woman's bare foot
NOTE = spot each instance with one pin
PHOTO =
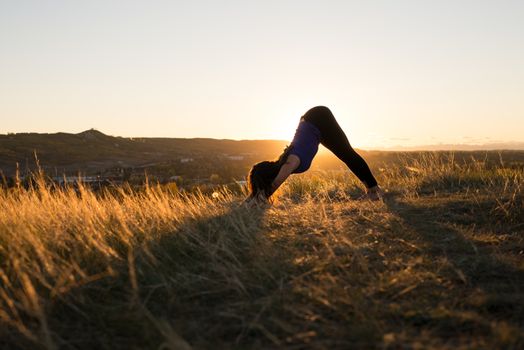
(374, 193)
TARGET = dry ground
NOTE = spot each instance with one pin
(438, 265)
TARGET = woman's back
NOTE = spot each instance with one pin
(305, 144)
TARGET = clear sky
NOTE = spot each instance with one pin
(393, 72)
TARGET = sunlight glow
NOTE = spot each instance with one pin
(408, 73)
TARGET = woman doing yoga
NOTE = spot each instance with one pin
(317, 126)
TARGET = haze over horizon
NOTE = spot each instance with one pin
(512, 145)
(406, 74)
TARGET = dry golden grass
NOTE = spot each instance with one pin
(438, 265)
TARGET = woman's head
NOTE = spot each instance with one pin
(261, 175)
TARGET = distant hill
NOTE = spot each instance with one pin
(494, 146)
(93, 149)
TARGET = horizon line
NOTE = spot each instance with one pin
(487, 146)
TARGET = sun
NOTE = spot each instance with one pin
(285, 121)
(286, 129)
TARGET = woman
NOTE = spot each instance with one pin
(318, 125)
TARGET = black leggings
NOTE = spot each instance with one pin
(334, 139)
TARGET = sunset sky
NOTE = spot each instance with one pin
(393, 72)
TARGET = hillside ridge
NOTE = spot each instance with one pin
(91, 147)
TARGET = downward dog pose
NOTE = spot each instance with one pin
(317, 126)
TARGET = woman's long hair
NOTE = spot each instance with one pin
(262, 174)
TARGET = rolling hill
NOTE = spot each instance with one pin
(91, 150)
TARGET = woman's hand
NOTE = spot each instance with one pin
(256, 201)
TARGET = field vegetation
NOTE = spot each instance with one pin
(439, 264)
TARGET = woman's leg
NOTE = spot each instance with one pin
(334, 139)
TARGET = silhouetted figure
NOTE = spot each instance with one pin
(317, 126)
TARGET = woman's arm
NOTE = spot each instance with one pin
(286, 169)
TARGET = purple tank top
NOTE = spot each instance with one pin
(305, 144)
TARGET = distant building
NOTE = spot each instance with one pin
(235, 157)
(61, 180)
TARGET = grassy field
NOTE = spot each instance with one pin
(438, 265)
